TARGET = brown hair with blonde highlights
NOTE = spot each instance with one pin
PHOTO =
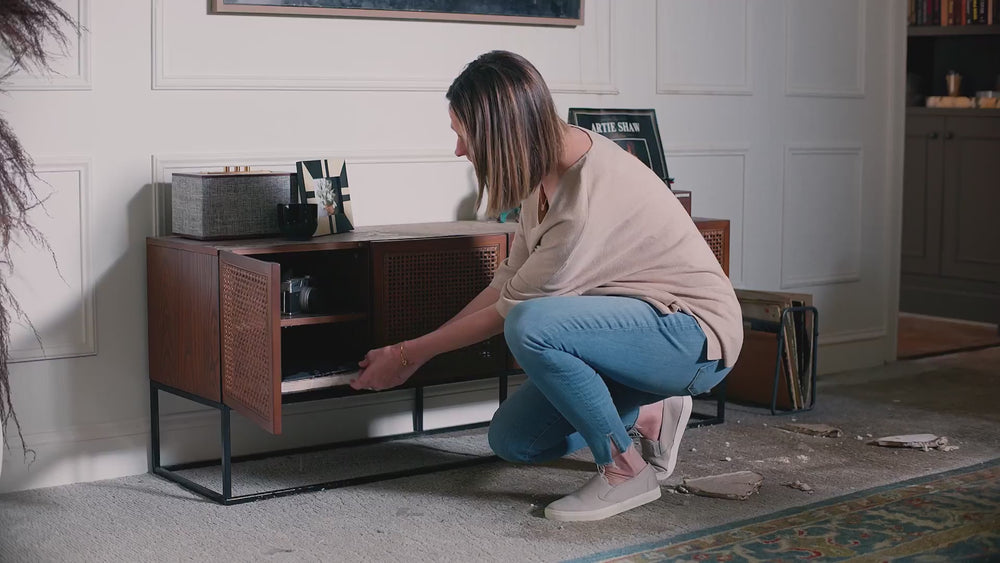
(513, 135)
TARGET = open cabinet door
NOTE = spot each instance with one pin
(251, 338)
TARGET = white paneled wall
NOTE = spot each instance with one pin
(703, 47)
(783, 116)
(57, 293)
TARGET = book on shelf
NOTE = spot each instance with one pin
(319, 379)
(953, 12)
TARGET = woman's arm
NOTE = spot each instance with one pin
(486, 298)
(391, 366)
(473, 327)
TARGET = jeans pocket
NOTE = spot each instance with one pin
(706, 378)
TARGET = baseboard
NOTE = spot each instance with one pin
(955, 299)
(850, 354)
(117, 449)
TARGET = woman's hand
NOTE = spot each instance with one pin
(383, 369)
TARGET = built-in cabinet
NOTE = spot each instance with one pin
(951, 214)
(950, 252)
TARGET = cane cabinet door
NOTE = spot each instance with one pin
(420, 284)
(249, 292)
(716, 234)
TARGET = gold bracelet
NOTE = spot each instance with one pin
(402, 357)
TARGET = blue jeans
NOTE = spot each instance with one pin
(591, 362)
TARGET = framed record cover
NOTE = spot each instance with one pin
(634, 130)
(324, 182)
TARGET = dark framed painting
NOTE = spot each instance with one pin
(530, 12)
(634, 130)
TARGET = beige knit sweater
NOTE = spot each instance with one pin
(613, 228)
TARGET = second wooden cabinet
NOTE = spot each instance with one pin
(950, 259)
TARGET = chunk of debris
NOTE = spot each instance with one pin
(822, 430)
(948, 448)
(917, 441)
(796, 484)
(727, 458)
(733, 486)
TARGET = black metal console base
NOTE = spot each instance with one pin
(225, 497)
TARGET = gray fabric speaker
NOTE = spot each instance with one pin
(217, 206)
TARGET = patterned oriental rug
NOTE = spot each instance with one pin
(953, 516)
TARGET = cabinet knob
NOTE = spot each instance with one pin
(949, 136)
(932, 135)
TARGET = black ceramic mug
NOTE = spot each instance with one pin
(297, 220)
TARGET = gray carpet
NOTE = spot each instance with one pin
(493, 512)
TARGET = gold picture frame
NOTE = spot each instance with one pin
(566, 13)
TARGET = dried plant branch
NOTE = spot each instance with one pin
(25, 25)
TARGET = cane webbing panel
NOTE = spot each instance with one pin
(426, 288)
(246, 343)
(716, 239)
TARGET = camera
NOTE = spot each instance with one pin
(299, 295)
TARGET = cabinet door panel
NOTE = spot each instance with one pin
(183, 315)
(923, 175)
(971, 228)
(251, 338)
(420, 284)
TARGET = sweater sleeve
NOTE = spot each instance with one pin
(542, 273)
(515, 258)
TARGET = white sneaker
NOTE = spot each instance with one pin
(598, 499)
(662, 453)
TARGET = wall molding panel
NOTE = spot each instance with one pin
(593, 48)
(829, 43)
(76, 75)
(821, 215)
(705, 77)
(71, 331)
(737, 222)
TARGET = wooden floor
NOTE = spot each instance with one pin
(921, 336)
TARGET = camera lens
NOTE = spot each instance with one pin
(310, 300)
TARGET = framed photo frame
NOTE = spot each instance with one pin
(324, 182)
(634, 130)
(527, 12)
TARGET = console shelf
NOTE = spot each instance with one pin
(318, 319)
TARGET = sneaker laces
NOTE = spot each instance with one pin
(636, 437)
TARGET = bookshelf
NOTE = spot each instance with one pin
(939, 30)
(950, 167)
